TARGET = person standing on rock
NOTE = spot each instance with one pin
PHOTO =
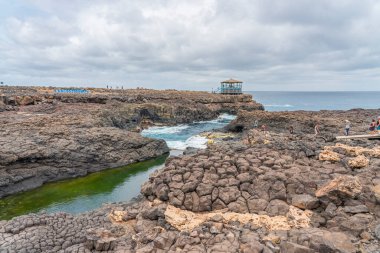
(264, 129)
(372, 126)
(317, 129)
(347, 128)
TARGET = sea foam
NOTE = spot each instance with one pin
(187, 135)
(164, 130)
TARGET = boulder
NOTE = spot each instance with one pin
(356, 224)
(162, 192)
(305, 201)
(328, 155)
(290, 247)
(24, 100)
(154, 213)
(100, 240)
(256, 205)
(358, 162)
(239, 206)
(229, 194)
(251, 247)
(277, 207)
(356, 209)
(341, 187)
(325, 241)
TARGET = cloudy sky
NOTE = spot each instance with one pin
(270, 45)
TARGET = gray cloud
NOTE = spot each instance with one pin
(274, 45)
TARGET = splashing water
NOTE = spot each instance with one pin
(187, 135)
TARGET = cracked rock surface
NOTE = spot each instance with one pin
(47, 136)
(266, 192)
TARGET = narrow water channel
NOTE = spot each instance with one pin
(84, 193)
(112, 185)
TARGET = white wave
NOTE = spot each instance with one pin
(176, 145)
(196, 141)
(164, 130)
(274, 105)
(219, 120)
(226, 116)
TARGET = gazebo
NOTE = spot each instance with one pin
(231, 87)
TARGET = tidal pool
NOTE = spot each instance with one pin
(112, 185)
(82, 194)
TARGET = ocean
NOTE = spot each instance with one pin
(187, 135)
(315, 101)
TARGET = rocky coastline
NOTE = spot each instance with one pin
(261, 191)
(47, 136)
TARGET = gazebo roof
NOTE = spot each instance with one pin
(232, 81)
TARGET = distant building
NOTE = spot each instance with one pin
(231, 87)
(80, 91)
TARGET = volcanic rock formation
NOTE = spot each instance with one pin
(47, 136)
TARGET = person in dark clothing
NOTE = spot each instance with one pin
(372, 126)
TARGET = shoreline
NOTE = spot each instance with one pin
(49, 136)
(263, 191)
(280, 182)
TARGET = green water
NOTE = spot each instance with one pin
(82, 194)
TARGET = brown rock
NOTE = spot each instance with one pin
(257, 205)
(162, 192)
(356, 224)
(195, 198)
(25, 100)
(358, 162)
(277, 207)
(376, 191)
(290, 247)
(100, 240)
(331, 209)
(356, 209)
(218, 204)
(229, 194)
(325, 241)
(342, 186)
(205, 203)
(244, 177)
(188, 202)
(251, 247)
(176, 198)
(305, 201)
(239, 206)
(164, 240)
(277, 191)
(204, 189)
(327, 155)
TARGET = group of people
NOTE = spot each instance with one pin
(375, 125)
